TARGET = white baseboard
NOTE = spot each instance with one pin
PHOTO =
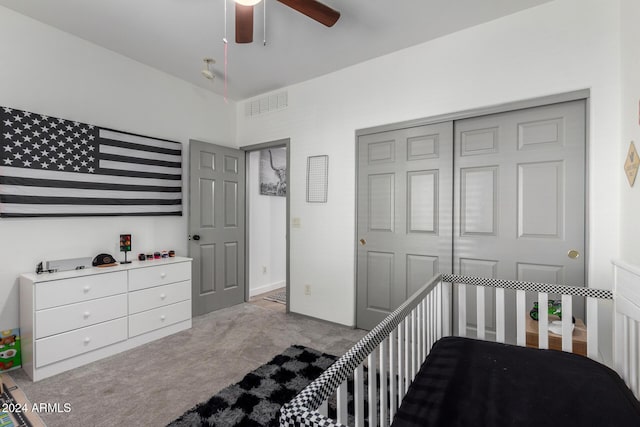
(266, 288)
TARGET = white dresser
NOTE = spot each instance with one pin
(71, 318)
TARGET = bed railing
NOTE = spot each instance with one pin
(627, 324)
(391, 354)
(541, 293)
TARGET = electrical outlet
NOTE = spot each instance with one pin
(307, 289)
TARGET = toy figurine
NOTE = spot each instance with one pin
(554, 308)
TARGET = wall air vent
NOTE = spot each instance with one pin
(265, 104)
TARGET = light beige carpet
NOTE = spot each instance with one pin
(155, 383)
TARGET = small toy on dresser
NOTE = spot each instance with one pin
(157, 255)
(125, 246)
(104, 260)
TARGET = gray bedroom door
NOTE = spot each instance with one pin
(519, 202)
(216, 225)
(404, 211)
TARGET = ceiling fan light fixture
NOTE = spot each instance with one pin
(248, 2)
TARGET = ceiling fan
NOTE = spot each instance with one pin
(312, 8)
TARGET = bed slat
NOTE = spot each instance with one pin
(592, 330)
(358, 398)
(567, 323)
(462, 310)
(393, 374)
(372, 395)
(401, 359)
(384, 345)
(342, 402)
(414, 342)
(323, 409)
(480, 314)
(407, 354)
(422, 333)
(434, 317)
(500, 323)
(521, 313)
(543, 320)
(445, 296)
(633, 354)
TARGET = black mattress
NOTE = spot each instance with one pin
(466, 382)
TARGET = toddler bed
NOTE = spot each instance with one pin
(480, 380)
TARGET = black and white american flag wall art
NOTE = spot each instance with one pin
(52, 167)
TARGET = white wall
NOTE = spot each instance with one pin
(267, 234)
(630, 126)
(557, 47)
(50, 72)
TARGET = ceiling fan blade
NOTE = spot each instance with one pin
(244, 23)
(314, 10)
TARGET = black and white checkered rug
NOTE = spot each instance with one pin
(256, 400)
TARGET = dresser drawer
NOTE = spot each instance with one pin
(62, 346)
(157, 318)
(147, 299)
(68, 291)
(156, 275)
(73, 316)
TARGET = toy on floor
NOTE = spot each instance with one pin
(554, 308)
(10, 350)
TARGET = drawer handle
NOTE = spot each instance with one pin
(86, 289)
(162, 317)
(162, 296)
(87, 340)
(163, 275)
(86, 314)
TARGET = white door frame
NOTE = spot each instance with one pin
(583, 94)
(248, 149)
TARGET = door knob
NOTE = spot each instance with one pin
(573, 254)
(363, 242)
(196, 237)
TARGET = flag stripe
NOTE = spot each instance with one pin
(151, 144)
(17, 190)
(8, 198)
(141, 161)
(121, 144)
(123, 173)
(50, 183)
(129, 152)
(110, 164)
(92, 178)
(68, 214)
(96, 209)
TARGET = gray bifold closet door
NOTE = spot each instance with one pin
(404, 215)
(501, 196)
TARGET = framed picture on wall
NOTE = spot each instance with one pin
(273, 172)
